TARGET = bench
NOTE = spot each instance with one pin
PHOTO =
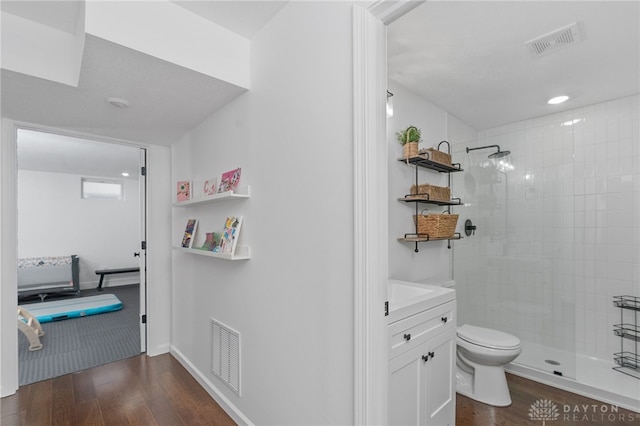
(103, 272)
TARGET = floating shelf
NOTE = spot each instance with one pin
(423, 161)
(239, 193)
(242, 253)
(422, 199)
(422, 239)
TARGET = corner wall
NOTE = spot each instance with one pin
(292, 302)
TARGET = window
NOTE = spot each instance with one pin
(102, 188)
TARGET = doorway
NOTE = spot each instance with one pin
(82, 197)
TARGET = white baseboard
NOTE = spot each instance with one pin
(159, 350)
(211, 389)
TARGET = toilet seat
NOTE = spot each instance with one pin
(487, 338)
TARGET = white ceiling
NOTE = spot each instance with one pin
(241, 17)
(63, 154)
(166, 100)
(469, 57)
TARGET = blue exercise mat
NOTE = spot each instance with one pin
(57, 310)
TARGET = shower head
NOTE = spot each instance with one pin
(499, 154)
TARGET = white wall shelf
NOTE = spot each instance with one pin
(239, 193)
(241, 253)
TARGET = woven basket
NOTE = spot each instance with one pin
(410, 150)
(431, 192)
(438, 156)
(436, 225)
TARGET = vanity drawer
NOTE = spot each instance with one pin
(410, 332)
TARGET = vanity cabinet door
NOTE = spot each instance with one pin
(407, 402)
(440, 379)
(422, 383)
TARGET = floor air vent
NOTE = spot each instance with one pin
(225, 354)
(554, 40)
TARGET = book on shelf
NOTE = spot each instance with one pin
(183, 190)
(209, 187)
(212, 242)
(229, 180)
(189, 233)
(230, 234)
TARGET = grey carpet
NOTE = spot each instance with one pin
(80, 343)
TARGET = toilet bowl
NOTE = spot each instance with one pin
(481, 356)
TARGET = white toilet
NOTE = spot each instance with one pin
(481, 356)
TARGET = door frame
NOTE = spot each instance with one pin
(9, 380)
(371, 269)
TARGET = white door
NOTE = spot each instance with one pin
(143, 252)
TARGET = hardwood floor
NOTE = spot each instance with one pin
(524, 393)
(159, 391)
(135, 391)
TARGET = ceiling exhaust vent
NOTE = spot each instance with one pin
(554, 40)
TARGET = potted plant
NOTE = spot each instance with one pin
(409, 138)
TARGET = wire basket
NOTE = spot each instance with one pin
(431, 192)
(436, 225)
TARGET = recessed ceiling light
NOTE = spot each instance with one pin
(125, 174)
(118, 102)
(558, 100)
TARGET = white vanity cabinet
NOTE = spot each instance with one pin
(422, 353)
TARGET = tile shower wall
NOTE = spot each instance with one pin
(558, 227)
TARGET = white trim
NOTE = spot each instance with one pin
(371, 206)
(211, 389)
(370, 219)
(388, 11)
(8, 259)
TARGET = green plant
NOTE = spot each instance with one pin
(410, 134)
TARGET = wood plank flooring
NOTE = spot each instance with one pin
(525, 392)
(157, 390)
(135, 391)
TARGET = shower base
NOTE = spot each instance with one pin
(587, 376)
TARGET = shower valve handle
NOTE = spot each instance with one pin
(469, 228)
(407, 337)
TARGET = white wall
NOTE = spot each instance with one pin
(54, 220)
(292, 302)
(433, 261)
